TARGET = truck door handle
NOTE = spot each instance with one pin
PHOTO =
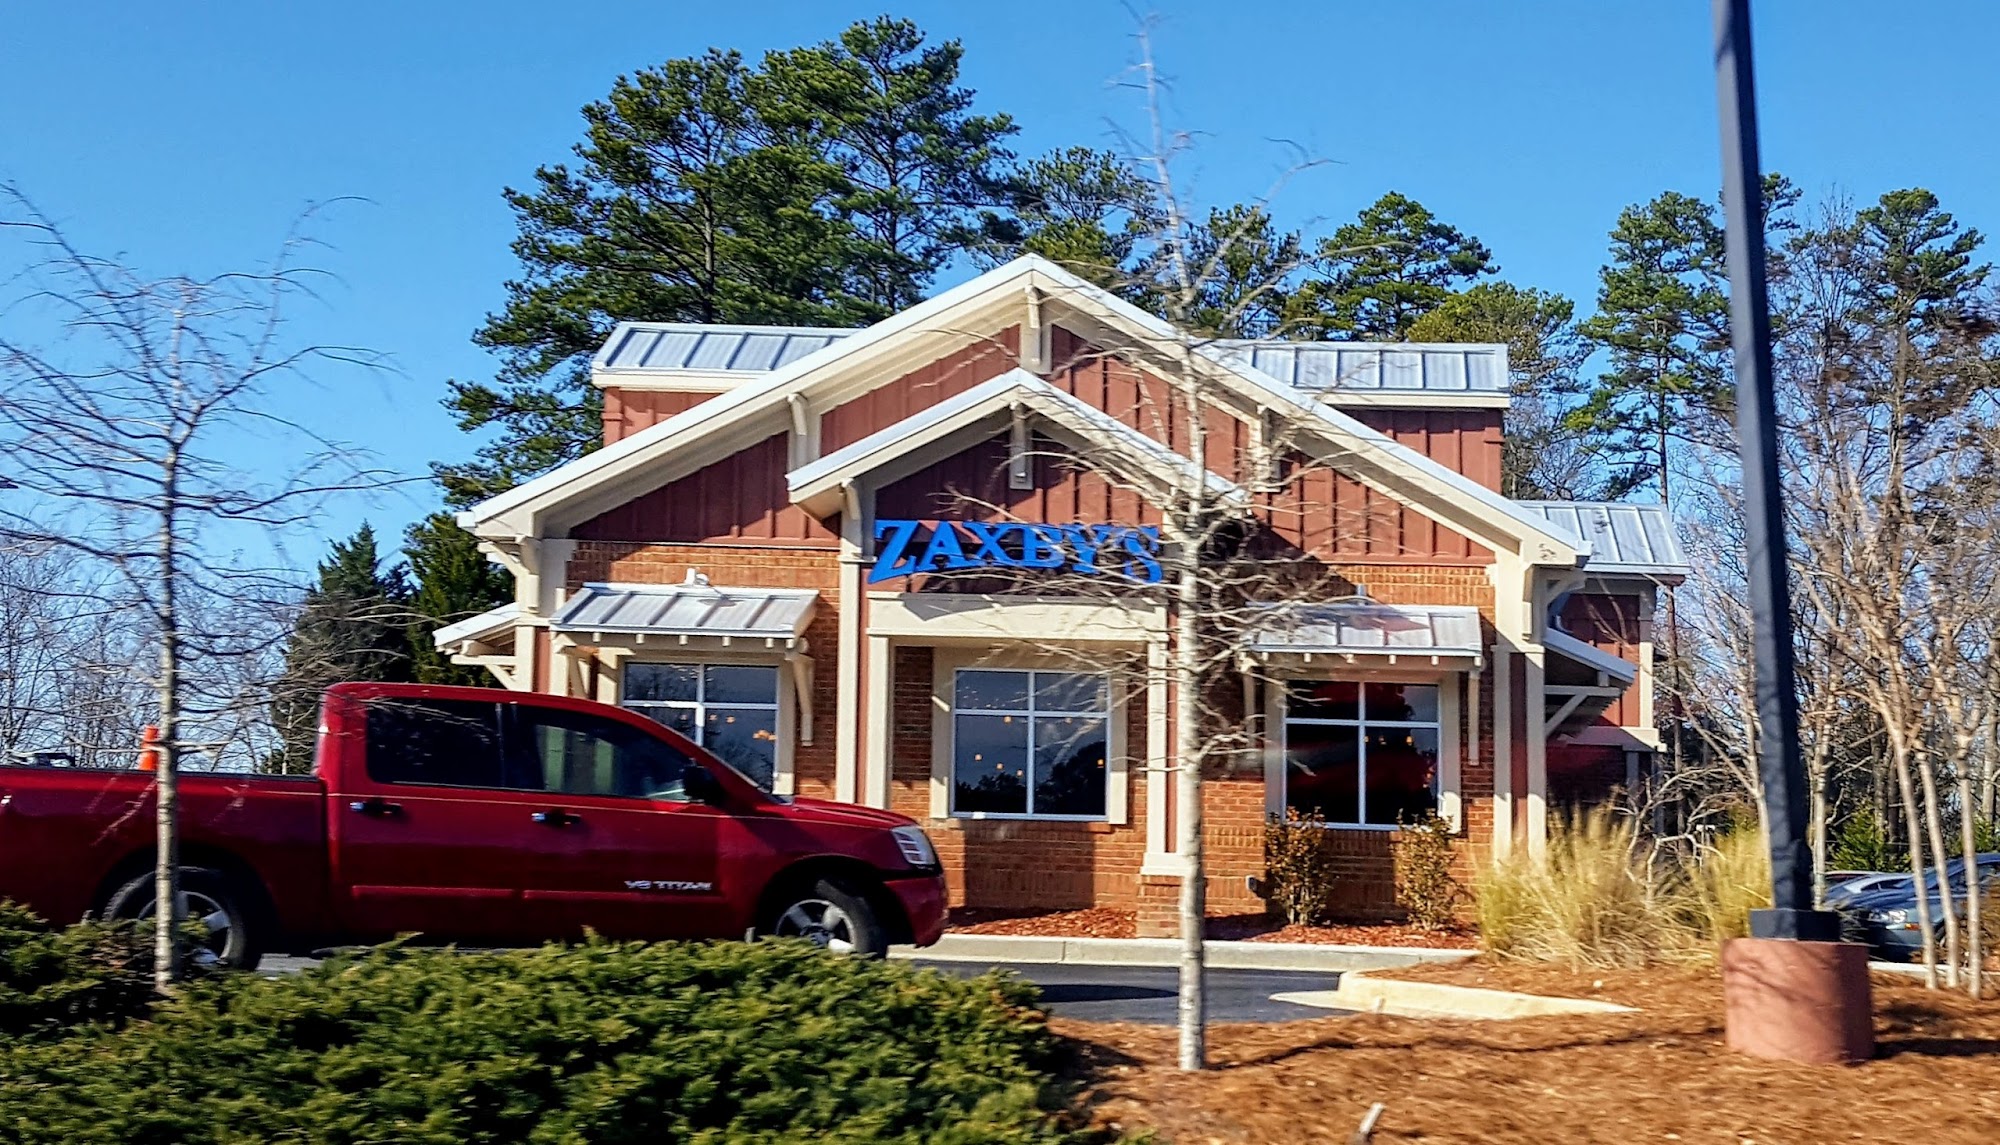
(380, 808)
(556, 817)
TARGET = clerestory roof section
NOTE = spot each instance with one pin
(697, 348)
(1470, 374)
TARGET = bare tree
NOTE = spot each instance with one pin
(123, 436)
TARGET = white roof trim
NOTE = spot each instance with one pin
(1590, 656)
(485, 624)
(1015, 388)
(1391, 463)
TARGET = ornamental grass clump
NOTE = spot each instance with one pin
(1602, 896)
(1590, 901)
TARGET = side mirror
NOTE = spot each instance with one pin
(701, 785)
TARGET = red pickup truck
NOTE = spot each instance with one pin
(481, 816)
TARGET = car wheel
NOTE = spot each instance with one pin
(829, 914)
(213, 900)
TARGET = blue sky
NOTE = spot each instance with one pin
(189, 136)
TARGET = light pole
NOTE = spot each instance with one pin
(1792, 990)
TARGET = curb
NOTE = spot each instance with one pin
(1363, 994)
(1308, 956)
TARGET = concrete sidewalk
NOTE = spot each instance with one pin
(1166, 952)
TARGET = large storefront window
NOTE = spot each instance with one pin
(1029, 743)
(1362, 755)
(730, 709)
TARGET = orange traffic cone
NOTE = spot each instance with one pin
(149, 752)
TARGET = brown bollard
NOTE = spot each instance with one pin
(1798, 1001)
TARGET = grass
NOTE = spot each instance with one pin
(1601, 897)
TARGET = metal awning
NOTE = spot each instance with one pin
(1389, 632)
(777, 616)
(1573, 707)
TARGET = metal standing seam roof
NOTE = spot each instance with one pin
(1362, 367)
(687, 610)
(1378, 367)
(1624, 538)
(1373, 629)
(692, 346)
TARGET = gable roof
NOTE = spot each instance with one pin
(1000, 297)
(1117, 445)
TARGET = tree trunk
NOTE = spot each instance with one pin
(1975, 939)
(1901, 759)
(1934, 825)
(166, 783)
(1816, 776)
(1187, 810)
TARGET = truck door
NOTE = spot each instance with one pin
(425, 834)
(618, 846)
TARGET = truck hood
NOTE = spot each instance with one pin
(848, 814)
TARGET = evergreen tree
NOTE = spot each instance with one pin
(454, 580)
(1379, 274)
(827, 186)
(1240, 267)
(1085, 210)
(353, 625)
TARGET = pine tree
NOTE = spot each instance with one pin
(1379, 274)
(454, 580)
(352, 625)
(827, 186)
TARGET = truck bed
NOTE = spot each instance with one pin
(70, 835)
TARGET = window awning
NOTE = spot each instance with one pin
(774, 616)
(1387, 633)
(1573, 707)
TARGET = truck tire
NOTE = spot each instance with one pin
(830, 914)
(209, 896)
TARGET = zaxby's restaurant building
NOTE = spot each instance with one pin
(753, 559)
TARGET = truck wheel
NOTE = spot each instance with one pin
(829, 914)
(208, 897)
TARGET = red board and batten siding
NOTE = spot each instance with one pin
(1462, 440)
(948, 376)
(741, 499)
(972, 486)
(626, 411)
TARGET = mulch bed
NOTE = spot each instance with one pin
(1661, 1074)
(1106, 923)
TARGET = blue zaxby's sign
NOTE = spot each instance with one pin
(908, 548)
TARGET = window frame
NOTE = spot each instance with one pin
(783, 705)
(1444, 787)
(1112, 713)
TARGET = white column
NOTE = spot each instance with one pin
(878, 751)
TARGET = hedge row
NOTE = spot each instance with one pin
(772, 1042)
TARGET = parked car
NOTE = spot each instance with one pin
(1886, 919)
(1853, 884)
(475, 815)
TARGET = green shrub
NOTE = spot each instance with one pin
(1298, 866)
(1861, 844)
(1425, 887)
(603, 1043)
(54, 978)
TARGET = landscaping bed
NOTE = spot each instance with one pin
(1100, 922)
(1658, 1074)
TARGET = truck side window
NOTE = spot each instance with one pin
(579, 754)
(448, 743)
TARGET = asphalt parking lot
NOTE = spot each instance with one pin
(1143, 994)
